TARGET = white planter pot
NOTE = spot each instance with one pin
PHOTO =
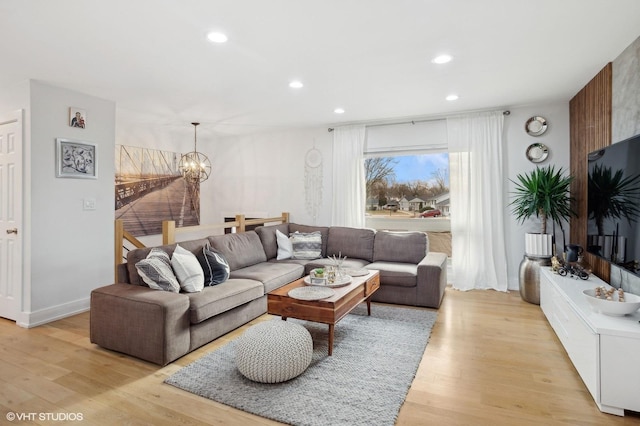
(538, 245)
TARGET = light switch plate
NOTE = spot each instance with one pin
(89, 204)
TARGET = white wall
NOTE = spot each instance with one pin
(556, 138)
(69, 250)
(265, 174)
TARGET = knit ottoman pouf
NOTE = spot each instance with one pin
(274, 351)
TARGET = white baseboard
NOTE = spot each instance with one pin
(44, 316)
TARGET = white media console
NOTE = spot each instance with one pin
(605, 350)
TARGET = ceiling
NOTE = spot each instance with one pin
(370, 57)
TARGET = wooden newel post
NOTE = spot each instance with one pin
(241, 222)
(168, 232)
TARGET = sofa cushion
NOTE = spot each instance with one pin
(398, 274)
(188, 270)
(271, 274)
(220, 298)
(136, 255)
(214, 265)
(267, 236)
(306, 245)
(240, 250)
(285, 246)
(324, 232)
(347, 264)
(406, 247)
(155, 270)
(351, 242)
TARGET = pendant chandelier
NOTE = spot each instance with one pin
(195, 166)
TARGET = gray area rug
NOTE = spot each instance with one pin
(364, 382)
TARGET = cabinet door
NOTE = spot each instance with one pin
(579, 341)
(620, 372)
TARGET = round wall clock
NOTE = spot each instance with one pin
(535, 126)
(537, 152)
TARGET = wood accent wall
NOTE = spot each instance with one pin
(590, 129)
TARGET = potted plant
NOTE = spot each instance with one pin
(543, 193)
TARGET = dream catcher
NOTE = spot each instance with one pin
(313, 182)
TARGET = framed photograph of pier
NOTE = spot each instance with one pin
(150, 189)
(76, 159)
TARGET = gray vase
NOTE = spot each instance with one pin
(530, 277)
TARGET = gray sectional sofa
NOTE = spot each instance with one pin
(161, 326)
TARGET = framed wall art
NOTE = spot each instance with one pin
(77, 117)
(76, 159)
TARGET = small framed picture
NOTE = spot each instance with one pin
(75, 159)
(77, 117)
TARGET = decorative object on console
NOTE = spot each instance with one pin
(195, 166)
(611, 301)
(313, 182)
(536, 125)
(543, 193)
(75, 159)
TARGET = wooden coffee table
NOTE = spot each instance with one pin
(327, 311)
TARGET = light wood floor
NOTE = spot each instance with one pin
(492, 360)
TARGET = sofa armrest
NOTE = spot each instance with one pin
(149, 324)
(122, 273)
(432, 279)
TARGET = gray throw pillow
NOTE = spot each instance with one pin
(306, 245)
(155, 270)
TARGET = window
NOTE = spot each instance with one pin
(407, 180)
(408, 186)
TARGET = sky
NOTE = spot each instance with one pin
(420, 167)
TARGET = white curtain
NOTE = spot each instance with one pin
(477, 202)
(348, 177)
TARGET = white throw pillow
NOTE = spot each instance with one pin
(285, 247)
(188, 270)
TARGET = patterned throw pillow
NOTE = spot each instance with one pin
(306, 245)
(188, 270)
(285, 248)
(155, 270)
(215, 266)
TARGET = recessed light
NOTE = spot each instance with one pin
(217, 37)
(442, 59)
(339, 111)
(296, 84)
(452, 97)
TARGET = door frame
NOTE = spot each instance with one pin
(17, 116)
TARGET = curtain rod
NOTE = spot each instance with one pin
(424, 120)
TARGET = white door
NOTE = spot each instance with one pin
(10, 215)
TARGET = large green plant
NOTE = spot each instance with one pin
(612, 196)
(544, 193)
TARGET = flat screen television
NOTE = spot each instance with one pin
(613, 199)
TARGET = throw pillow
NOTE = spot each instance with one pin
(215, 266)
(188, 270)
(155, 270)
(285, 248)
(306, 245)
